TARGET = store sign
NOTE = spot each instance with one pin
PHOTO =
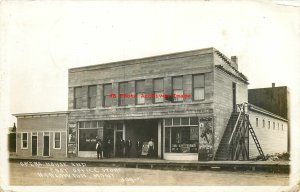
(88, 140)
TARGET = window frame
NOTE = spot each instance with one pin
(54, 140)
(75, 99)
(158, 92)
(22, 142)
(123, 99)
(90, 97)
(173, 90)
(193, 87)
(137, 93)
(104, 96)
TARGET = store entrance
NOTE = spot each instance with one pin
(143, 130)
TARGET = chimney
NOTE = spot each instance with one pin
(273, 85)
(234, 59)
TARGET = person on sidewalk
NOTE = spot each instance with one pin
(151, 148)
(138, 148)
(99, 149)
(128, 146)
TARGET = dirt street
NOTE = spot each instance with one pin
(83, 174)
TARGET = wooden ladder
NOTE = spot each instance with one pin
(251, 130)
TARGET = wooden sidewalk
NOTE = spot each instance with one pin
(269, 166)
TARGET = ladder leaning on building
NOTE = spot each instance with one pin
(235, 141)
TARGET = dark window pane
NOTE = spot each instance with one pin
(185, 121)
(107, 101)
(198, 81)
(158, 85)
(92, 90)
(77, 92)
(140, 86)
(57, 135)
(24, 136)
(168, 122)
(194, 121)
(87, 124)
(81, 124)
(107, 89)
(176, 121)
(167, 139)
(94, 124)
(177, 82)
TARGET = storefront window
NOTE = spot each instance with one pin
(183, 139)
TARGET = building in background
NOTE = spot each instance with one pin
(273, 99)
(271, 131)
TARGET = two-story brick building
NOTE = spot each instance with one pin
(210, 81)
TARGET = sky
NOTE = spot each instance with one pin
(41, 40)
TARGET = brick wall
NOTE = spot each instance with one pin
(223, 102)
(158, 67)
(271, 140)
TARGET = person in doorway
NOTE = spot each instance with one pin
(119, 149)
(123, 147)
(99, 149)
(108, 148)
(151, 148)
(138, 148)
(128, 147)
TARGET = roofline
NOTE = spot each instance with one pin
(41, 113)
(145, 59)
(269, 87)
(261, 110)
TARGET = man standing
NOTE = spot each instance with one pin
(109, 148)
(128, 146)
(99, 149)
(151, 148)
(138, 147)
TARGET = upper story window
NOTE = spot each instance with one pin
(256, 122)
(277, 126)
(158, 90)
(273, 125)
(140, 92)
(107, 91)
(123, 91)
(198, 87)
(281, 127)
(269, 124)
(177, 89)
(263, 123)
(92, 94)
(77, 98)
(24, 141)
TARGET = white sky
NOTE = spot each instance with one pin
(41, 40)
